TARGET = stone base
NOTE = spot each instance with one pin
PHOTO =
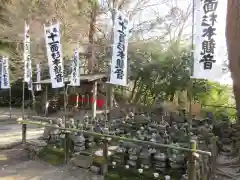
(82, 161)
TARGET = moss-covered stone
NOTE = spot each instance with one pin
(54, 156)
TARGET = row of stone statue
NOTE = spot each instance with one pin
(162, 128)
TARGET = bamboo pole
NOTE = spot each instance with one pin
(114, 137)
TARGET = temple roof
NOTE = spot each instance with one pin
(83, 77)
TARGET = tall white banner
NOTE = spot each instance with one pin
(54, 53)
(207, 60)
(26, 55)
(5, 81)
(38, 86)
(75, 73)
(118, 72)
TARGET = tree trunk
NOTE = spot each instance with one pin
(233, 45)
(91, 55)
(134, 88)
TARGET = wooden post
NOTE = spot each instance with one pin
(105, 156)
(34, 101)
(94, 99)
(192, 161)
(66, 148)
(24, 126)
(214, 156)
(106, 102)
(46, 100)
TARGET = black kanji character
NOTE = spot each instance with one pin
(208, 46)
(209, 32)
(119, 63)
(56, 62)
(27, 47)
(210, 6)
(123, 26)
(120, 17)
(55, 69)
(121, 54)
(59, 77)
(55, 55)
(52, 36)
(119, 73)
(58, 73)
(55, 30)
(122, 36)
(204, 20)
(54, 46)
(207, 61)
(213, 18)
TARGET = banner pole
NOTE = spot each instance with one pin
(190, 90)
(24, 126)
(10, 101)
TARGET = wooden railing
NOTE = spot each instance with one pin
(193, 152)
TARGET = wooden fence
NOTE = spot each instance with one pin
(193, 152)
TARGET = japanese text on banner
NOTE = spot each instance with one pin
(5, 81)
(75, 74)
(38, 86)
(54, 53)
(26, 56)
(205, 61)
(118, 74)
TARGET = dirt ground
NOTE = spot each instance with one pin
(14, 162)
(15, 165)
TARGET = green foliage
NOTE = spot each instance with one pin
(217, 99)
(165, 73)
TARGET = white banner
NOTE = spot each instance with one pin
(118, 74)
(26, 55)
(30, 85)
(38, 86)
(207, 58)
(75, 74)
(54, 53)
(5, 81)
